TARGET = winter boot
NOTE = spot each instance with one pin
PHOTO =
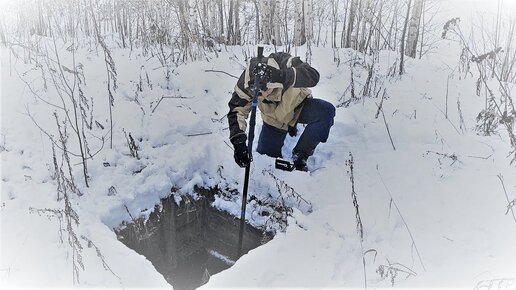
(299, 159)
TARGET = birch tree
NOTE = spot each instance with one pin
(266, 7)
(213, 23)
(236, 12)
(276, 22)
(403, 37)
(299, 23)
(308, 20)
(334, 18)
(353, 5)
(309, 33)
(231, 23)
(413, 28)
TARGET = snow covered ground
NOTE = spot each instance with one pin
(433, 210)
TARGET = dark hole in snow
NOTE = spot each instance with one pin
(188, 243)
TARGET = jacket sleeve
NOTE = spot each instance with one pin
(298, 74)
(239, 109)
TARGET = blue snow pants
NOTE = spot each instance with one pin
(316, 114)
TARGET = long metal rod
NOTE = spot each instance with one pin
(242, 211)
(250, 139)
(252, 123)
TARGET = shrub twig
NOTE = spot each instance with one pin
(219, 71)
(169, 97)
(393, 269)
(283, 187)
(133, 148)
(402, 218)
(99, 254)
(510, 204)
(360, 228)
(380, 109)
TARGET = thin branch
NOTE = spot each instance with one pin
(35, 94)
(169, 97)
(510, 204)
(480, 157)
(360, 228)
(56, 144)
(386, 126)
(219, 71)
(48, 134)
(130, 215)
(198, 134)
(401, 216)
(99, 254)
(457, 130)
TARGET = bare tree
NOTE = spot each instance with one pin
(266, 8)
(299, 23)
(257, 21)
(231, 27)
(353, 8)
(308, 13)
(193, 27)
(236, 11)
(403, 36)
(276, 23)
(413, 29)
(334, 21)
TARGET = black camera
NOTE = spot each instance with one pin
(261, 75)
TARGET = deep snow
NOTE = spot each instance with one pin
(455, 210)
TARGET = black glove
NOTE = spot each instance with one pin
(241, 154)
(276, 75)
(292, 131)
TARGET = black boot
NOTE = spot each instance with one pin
(299, 159)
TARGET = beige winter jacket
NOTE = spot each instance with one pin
(282, 107)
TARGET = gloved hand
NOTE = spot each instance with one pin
(276, 75)
(292, 131)
(267, 74)
(241, 154)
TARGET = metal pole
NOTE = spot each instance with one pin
(252, 123)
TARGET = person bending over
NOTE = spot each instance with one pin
(284, 101)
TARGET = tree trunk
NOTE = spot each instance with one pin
(276, 23)
(309, 28)
(221, 20)
(351, 19)
(258, 32)
(343, 32)
(265, 8)
(422, 28)
(236, 11)
(286, 30)
(230, 37)
(403, 36)
(212, 26)
(299, 24)
(308, 20)
(334, 18)
(364, 13)
(413, 29)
